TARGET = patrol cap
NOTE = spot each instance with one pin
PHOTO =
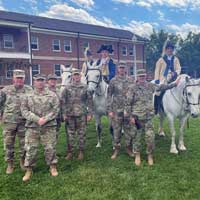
(18, 73)
(39, 77)
(141, 72)
(121, 65)
(52, 76)
(76, 71)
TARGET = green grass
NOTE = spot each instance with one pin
(97, 177)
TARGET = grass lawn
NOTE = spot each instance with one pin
(98, 177)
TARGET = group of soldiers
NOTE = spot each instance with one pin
(34, 114)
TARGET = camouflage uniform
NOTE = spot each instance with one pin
(35, 106)
(13, 121)
(140, 106)
(57, 92)
(75, 100)
(116, 103)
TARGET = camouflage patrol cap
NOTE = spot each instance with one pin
(121, 65)
(39, 77)
(52, 76)
(141, 72)
(76, 71)
(18, 73)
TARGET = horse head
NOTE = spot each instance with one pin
(93, 77)
(191, 93)
(66, 74)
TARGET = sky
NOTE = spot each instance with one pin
(138, 16)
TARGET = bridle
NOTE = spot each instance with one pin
(185, 94)
(91, 81)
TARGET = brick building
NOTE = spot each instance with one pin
(40, 45)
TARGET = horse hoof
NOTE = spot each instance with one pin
(174, 151)
(98, 145)
(161, 134)
(182, 148)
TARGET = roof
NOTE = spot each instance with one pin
(67, 26)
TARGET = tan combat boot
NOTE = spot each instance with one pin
(21, 163)
(28, 174)
(53, 170)
(10, 167)
(150, 159)
(80, 155)
(115, 153)
(69, 156)
(137, 159)
(129, 151)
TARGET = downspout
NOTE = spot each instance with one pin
(30, 52)
(78, 56)
(118, 50)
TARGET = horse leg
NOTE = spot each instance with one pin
(98, 129)
(181, 144)
(161, 132)
(173, 148)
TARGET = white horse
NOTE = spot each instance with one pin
(98, 87)
(180, 102)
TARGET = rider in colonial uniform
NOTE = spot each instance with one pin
(106, 64)
(166, 71)
(88, 61)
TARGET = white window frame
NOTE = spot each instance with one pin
(54, 44)
(70, 45)
(4, 41)
(9, 77)
(123, 51)
(55, 69)
(35, 70)
(37, 43)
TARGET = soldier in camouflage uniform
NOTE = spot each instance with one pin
(116, 92)
(52, 85)
(40, 110)
(75, 101)
(13, 122)
(139, 107)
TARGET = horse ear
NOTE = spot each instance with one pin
(187, 79)
(62, 68)
(71, 66)
(95, 64)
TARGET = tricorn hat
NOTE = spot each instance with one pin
(105, 47)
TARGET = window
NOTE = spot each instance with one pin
(131, 51)
(35, 69)
(57, 70)
(9, 71)
(8, 41)
(34, 43)
(124, 51)
(86, 45)
(67, 46)
(132, 71)
(56, 45)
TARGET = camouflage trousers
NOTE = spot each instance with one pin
(147, 130)
(119, 123)
(10, 131)
(47, 137)
(76, 125)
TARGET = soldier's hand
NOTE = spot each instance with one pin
(132, 120)
(111, 114)
(126, 114)
(89, 117)
(41, 121)
(65, 117)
